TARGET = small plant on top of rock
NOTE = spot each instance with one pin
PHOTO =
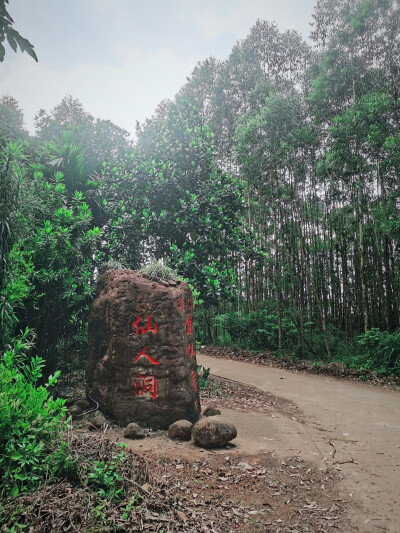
(112, 264)
(159, 271)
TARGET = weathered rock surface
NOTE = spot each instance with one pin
(97, 421)
(211, 411)
(142, 363)
(213, 432)
(181, 430)
(134, 431)
(75, 412)
(82, 404)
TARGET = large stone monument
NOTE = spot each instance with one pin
(142, 362)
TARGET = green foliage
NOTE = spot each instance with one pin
(171, 202)
(203, 374)
(31, 421)
(11, 121)
(10, 181)
(105, 480)
(68, 130)
(378, 350)
(112, 264)
(195, 292)
(257, 330)
(16, 289)
(14, 39)
(62, 249)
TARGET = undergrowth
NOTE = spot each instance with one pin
(31, 421)
(257, 331)
(96, 488)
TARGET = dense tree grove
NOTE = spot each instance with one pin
(270, 183)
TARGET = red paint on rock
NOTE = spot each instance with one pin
(191, 350)
(145, 384)
(144, 354)
(145, 329)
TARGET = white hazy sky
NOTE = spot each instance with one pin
(120, 58)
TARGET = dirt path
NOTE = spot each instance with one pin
(351, 427)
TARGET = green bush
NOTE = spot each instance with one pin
(105, 480)
(257, 330)
(30, 422)
(203, 374)
(379, 350)
(16, 288)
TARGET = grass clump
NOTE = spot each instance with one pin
(159, 272)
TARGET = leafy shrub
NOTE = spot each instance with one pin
(203, 374)
(257, 330)
(16, 288)
(30, 422)
(380, 351)
(105, 480)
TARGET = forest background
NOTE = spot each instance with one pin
(270, 183)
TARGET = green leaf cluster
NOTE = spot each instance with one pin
(31, 422)
(14, 39)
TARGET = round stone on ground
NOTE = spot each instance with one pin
(97, 421)
(134, 431)
(213, 432)
(211, 411)
(75, 412)
(82, 404)
(181, 430)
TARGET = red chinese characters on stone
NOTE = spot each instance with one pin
(188, 305)
(191, 350)
(188, 325)
(145, 384)
(145, 329)
(149, 358)
(194, 380)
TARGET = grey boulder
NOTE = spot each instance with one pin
(134, 431)
(82, 404)
(211, 411)
(96, 420)
(181, 430)
(213, 432)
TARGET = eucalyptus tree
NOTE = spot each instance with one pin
(354, 97)
(275, 148)
(358, 44)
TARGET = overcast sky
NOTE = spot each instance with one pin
(120, 58)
